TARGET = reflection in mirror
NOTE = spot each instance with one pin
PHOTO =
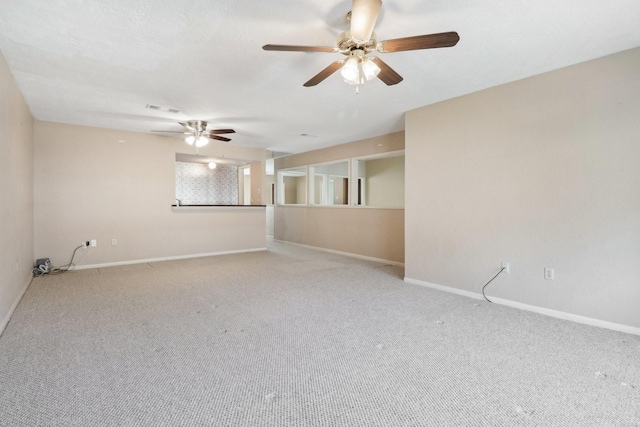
(331, 183)
(293, 186)
(380, 181)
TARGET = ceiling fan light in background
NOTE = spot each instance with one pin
(212, 165)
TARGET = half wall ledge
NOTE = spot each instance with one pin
(185, 207)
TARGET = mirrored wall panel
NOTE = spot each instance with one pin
(380, 181)
(330, 183)
(292, 185)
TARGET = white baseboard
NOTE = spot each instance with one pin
(170, 258)
(6, 319)
(541, 310)
(349, 254)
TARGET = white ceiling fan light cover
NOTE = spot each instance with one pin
(199, 140)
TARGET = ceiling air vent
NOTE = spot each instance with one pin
(163, 109)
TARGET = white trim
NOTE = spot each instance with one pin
(6, 319)
(169, 258)
(389, 208)
(349, 254)
(444, 288)
(381, 155)
(533, 308)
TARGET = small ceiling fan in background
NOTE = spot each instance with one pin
(198, 134)
(358, 68)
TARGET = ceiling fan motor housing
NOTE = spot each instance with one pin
(198, 126)
(346, 43)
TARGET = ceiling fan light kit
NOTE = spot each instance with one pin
(198, 134)
(359, 69)
(360, 40)
(200, 141)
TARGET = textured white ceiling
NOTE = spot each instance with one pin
(99, 63)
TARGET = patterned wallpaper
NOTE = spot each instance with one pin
(196, 184)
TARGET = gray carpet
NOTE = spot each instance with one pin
(296, 337)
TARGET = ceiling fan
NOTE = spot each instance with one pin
(358, 68)
(198, 133)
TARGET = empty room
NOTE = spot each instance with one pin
(321, 213)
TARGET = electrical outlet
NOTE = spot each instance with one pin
(86, 243)
(94, 243)
(505, 265)
(548, 273)
(114, 242)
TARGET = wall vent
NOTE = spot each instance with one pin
(163, 109)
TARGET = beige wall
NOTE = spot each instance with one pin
(266, 189)
(542, 172)
(88, 185)
(257, 177)
(291, 189)
(301, 189)
(380, 144)
(369, 232)
(16, 194)
(363, 231)
(385, 182)
(266, 199)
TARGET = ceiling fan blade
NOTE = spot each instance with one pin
(290, 48)
(187, 126)
(332, 68)
(364, 14)
(219, 138)
(427, 41)
(387, 74)
(219, 131)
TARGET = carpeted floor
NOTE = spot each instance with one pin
(296, 337)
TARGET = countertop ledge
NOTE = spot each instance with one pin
(217, 206)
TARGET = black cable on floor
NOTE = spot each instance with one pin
(485, 285)
(58, 270)
(65, 268)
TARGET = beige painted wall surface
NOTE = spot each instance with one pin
(88, 185)
(542, 172)
(16, 194)
(301, 189)
(380, 144)
(290, 189)
(370, 232)
(257, 177)
(385, 182)
(268, 180)
(376, 233)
